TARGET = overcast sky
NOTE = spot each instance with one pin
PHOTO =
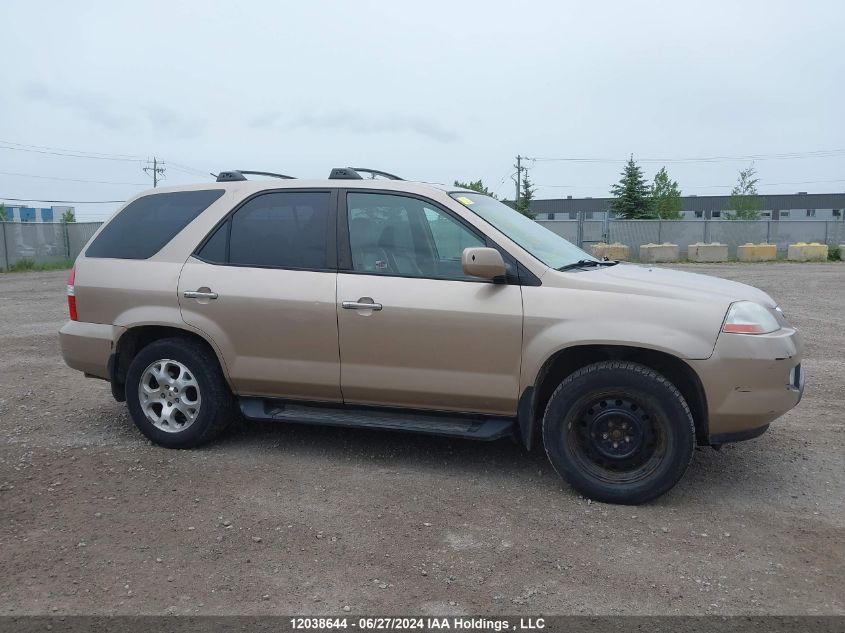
(432, 91)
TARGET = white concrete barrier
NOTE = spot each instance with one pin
(615, 251)
(655, 253)
(701, 252)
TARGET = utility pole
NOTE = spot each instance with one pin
(519, 170)
(156, 169)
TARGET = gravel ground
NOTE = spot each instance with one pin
(291, 519)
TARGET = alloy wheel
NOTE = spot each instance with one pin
(169, 395)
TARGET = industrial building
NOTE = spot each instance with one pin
(781, 207)
(31, 214)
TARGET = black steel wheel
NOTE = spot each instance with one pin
(619, 432)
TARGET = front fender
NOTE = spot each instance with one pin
(560, 318)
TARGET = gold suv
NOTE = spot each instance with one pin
(389, 304)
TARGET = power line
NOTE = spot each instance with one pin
(768, 184)
(802, 182)
(186, 169)
(498, 188)
(832, 153)
(63, 201)
(71, 155)
(98, 182)
(74, 151)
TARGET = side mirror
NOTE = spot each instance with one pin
(483, 262)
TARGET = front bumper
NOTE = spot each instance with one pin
(87, 346)
(750, 380)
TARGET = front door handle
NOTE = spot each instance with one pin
(362, 304)
(199, 294)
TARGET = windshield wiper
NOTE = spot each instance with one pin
(584, 263)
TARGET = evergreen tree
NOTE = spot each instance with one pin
(665, 197)
(526, 195)
(3, 216)
(745, 204)
(68, 216)
(632, 195)
(476, 185)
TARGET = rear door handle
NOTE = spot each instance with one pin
(199, 294)
(361, 305)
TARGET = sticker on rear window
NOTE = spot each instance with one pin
(464, 200)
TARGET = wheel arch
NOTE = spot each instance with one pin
(136, 338)
(533, 401)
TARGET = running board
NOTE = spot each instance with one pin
(466, 426)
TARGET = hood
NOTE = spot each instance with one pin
(661, 282)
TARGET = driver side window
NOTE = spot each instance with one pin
(401, 236)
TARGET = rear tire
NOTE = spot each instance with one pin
(177, 395)
(619, 432)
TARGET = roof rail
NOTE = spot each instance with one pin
(241, 174)
(351, 173)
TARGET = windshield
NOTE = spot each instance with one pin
(550, 248)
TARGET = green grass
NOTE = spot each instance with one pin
(29, 265)
(833, 253)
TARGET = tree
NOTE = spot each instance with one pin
(665, 197)
(3, 216)
(632, 195)
(476, 185)
(68, 216)
(745, 204)
(526, 195)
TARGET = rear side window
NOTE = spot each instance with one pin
(274, 230)
(143, 228)
(214, 249)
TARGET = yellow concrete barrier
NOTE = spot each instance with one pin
(803, 252)
(654, 253)
(701, 252)
(615, 251)
(756, 252)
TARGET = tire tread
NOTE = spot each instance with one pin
(216, 394)
(620, 365)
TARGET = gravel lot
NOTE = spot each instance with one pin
(291, 519)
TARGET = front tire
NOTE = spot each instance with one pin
(619, 432)
(177, 395)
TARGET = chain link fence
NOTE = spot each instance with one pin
(48, 243)
(43, 242)
(634, 233)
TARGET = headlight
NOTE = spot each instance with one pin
(747, 317)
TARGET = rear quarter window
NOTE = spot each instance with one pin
(145, 225)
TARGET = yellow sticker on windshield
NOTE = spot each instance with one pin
(464, 200)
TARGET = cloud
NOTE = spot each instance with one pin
(115, 117)
(88, 107)
(359, 123)
(170, 123)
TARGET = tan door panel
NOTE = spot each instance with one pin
(276, 329)
(427, 343)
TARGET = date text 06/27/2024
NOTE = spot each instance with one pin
(454, 623)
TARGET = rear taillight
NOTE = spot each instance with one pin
(71, 295)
